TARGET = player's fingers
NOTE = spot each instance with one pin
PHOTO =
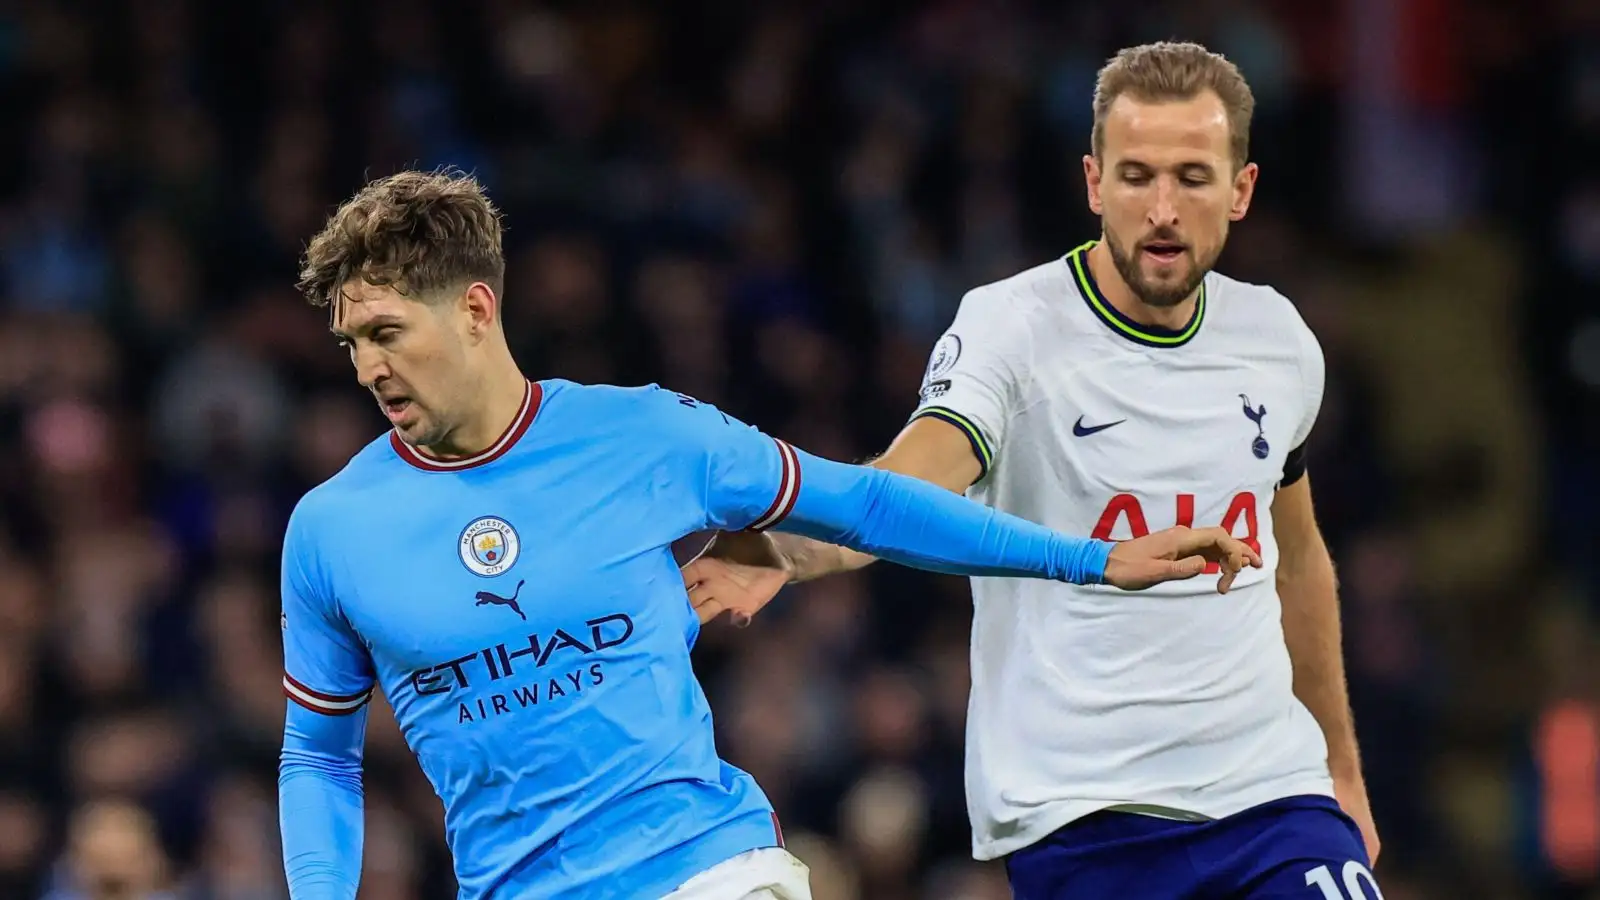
(1225, 583)
(694, 572)
(709, 610)
(703, 593)
(1205, 541)
(699, 594)
(1229, 550)
(1188, 567)
(708, 605)
(1232, 564)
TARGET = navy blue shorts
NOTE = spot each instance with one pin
(1304, 848)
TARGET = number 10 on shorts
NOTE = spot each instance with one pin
(1354, 874)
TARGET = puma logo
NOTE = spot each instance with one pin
(486, 598)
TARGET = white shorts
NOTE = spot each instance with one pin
(771, 873)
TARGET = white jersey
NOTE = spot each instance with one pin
(1175, 700)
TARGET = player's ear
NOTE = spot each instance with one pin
(1091, 180)
(1244, 188)
(481, 307)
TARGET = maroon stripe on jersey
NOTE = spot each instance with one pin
(319, 695)
(324, 703)
(529, 410)
(321, 710)
(788, 489)
(794, 489)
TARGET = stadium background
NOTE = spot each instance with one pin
(775, 207)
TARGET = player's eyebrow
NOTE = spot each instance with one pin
(366, 327)
(1194, 166)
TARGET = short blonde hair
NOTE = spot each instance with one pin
(1167, 70)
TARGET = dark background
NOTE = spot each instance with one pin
(775, 207)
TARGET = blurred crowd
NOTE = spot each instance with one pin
(775, 207)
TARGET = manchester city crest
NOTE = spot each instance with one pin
(489, 546)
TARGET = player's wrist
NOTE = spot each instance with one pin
(1087, 560)
(806, 560)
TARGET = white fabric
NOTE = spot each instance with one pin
(1089, 697)
(771, 873)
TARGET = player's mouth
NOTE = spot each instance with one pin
(1163, 252)
(395, 408)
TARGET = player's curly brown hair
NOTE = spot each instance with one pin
(1167, 70)
(419, 232)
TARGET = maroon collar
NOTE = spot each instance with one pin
(507, 440)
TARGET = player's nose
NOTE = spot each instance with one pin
(1164, 209)
(371, 367)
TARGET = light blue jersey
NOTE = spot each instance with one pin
(524, 615)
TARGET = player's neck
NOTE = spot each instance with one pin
(502, 393)
(1116, 291)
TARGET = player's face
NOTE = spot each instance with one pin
(1165, 190)
(409, 354)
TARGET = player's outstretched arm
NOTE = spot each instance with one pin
(908, 521)
(739, 572)
(875, 512)
(929, 449)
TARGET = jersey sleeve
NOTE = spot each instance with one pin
(1313, 377)
(972, 377)
(326, 668)
(744, 479)
(915, 523)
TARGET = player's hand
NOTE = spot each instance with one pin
(1351, 792)
(745, 573)
(1176, 554)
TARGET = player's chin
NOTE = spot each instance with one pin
(413, 427)
(1163, 289)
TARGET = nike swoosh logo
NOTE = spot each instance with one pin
(1079, 430)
